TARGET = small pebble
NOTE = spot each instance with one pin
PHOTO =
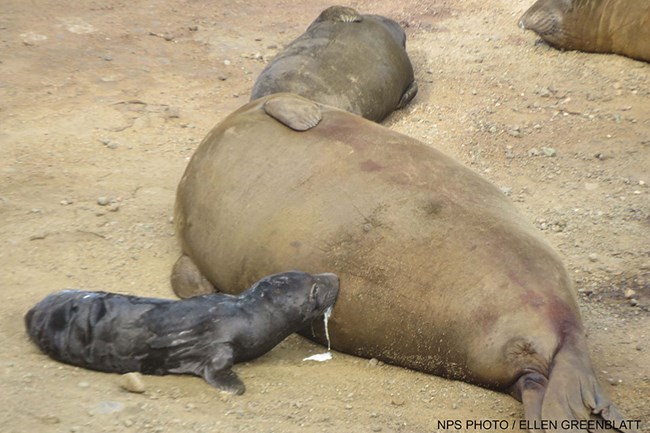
(172, 112)
(549, 151)
(593, 257)
(629, 293)
(514, 131)
(613, 381)
(133, 382)
(533, 152)
(373, 362)
(103, 201)
(51, 419)
(106, 407)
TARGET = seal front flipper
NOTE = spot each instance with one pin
(408, 95)
(297, 113)
(225, 380)
(187, 280)
(217, 371)
(342, 14)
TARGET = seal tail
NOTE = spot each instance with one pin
(571, 399)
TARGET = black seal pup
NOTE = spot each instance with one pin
(354, 62)
(203, 335)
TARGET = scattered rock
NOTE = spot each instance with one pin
(133, 382)
(593, 257)
(514, 131)
(612, 381)
(549, 151)
(106, 407)
(172, 112)
(629, 293)
(373, 362)
(109, 143)
(103, 201)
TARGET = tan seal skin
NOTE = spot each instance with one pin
(600, 26)
(347, 60)
(439, 273)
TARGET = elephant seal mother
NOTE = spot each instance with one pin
(599, 26)
(438, 271)
(354, 62)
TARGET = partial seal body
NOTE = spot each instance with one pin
(439, 273)
(203, 336)
(355, 62)
(599, 26)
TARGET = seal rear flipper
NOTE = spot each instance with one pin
(408, 95)
(297, 113)
(573, 394)
(530, 389)
(217, 371)
(187, 280)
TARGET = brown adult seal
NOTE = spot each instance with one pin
(599, 26)
(203, 335)
(438, 271)
(354, 62)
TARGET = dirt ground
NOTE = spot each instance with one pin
(105, 101)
